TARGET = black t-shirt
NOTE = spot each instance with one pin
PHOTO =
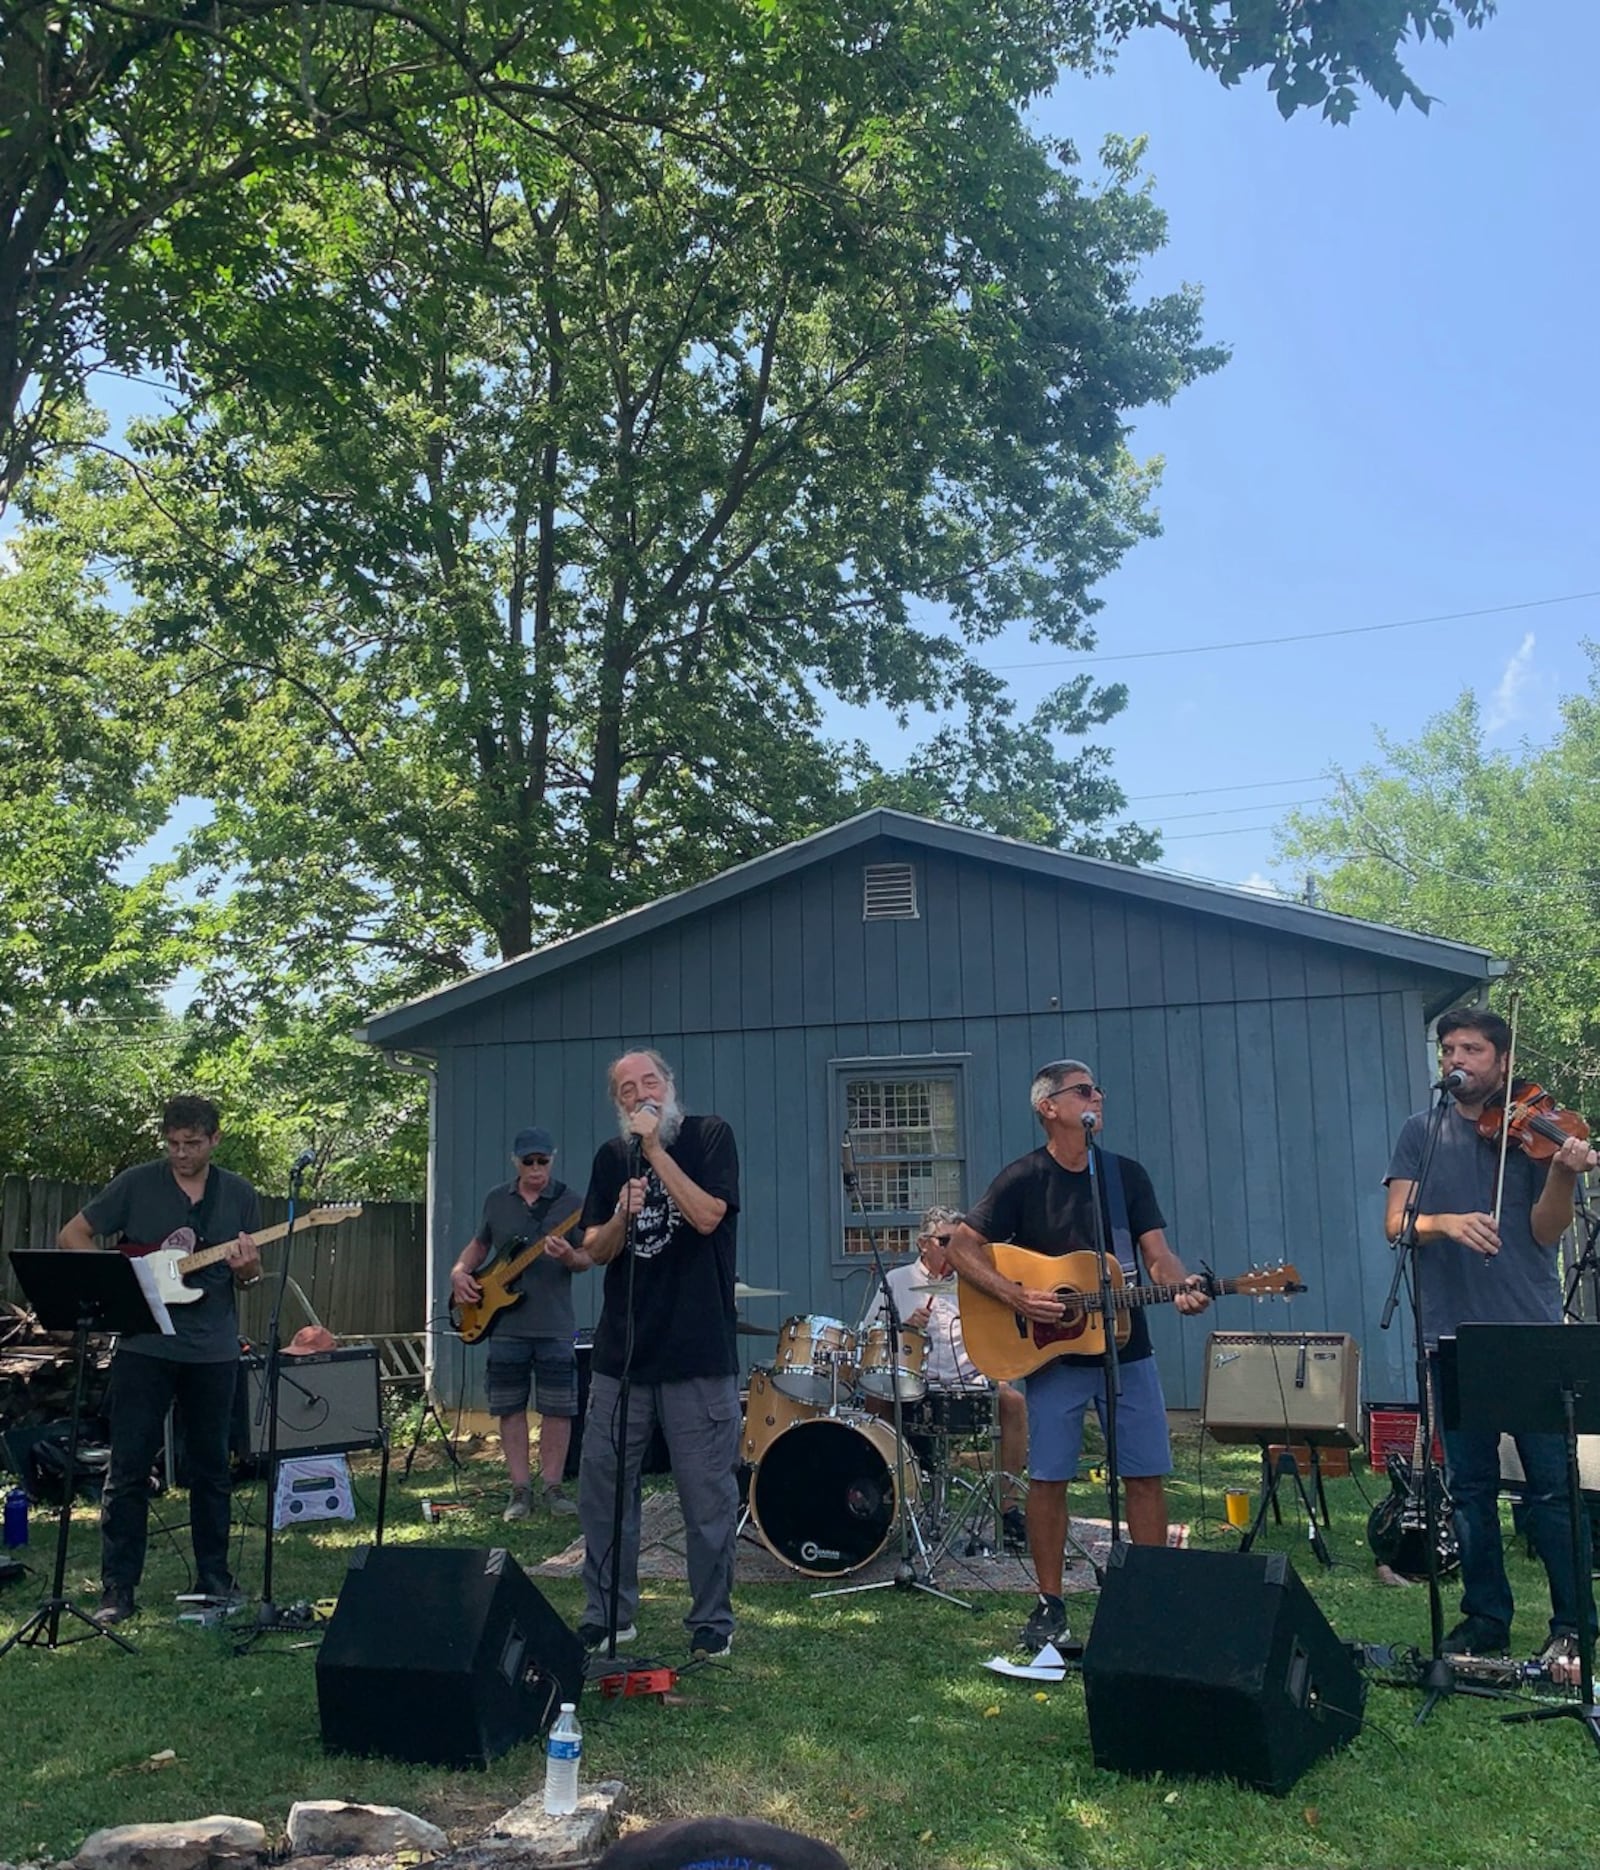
(141, 1207)
(682, 1280)
(1035, 1203)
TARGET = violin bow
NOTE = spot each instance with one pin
(1505, 1119)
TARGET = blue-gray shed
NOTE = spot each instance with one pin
(906, 977)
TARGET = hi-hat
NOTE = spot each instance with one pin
(742, 1291)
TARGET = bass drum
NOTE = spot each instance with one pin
(823, 1496)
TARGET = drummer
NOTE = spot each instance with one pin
(948, 1368)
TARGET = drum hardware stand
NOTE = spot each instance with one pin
(1588, 1261)
(1438, 1677)
(77, 1292)
(909, 1574)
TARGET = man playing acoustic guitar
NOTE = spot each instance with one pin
(530, 1348)
(1041, 1202)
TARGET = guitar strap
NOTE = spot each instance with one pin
(1117, 1204)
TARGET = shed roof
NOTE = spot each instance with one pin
(1458, 965)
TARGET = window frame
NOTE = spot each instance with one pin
(895, 1067)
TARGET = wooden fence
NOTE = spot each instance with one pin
(365, 1277)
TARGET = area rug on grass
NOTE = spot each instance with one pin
(661, 1556)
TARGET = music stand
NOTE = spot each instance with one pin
(77, 1292)
(1532, 1380)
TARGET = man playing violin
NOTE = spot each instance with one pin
(1480, 1269)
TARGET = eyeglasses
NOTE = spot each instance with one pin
(1085, 1091)
(535, 1162)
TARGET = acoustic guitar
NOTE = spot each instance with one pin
(473, 1322)
(1005, 1344)
(178, 1256)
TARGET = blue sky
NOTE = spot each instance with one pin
(1407, 427)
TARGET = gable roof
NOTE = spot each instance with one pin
(1454, 962)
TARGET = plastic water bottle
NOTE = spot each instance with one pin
(563, 1755)
(16, 1519)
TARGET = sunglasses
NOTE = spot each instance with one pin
(1085, 1091)
(535, 1162)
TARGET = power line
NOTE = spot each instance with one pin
(1206, 792)
(1305, 636)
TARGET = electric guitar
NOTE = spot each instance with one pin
(1003, 1343)
(178, 1255)
(473, 1322)
(1397, 1527)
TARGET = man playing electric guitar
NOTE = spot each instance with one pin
(530, 1346)
(1041, 1202)
(196, 1368)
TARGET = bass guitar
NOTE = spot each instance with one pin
(1397, 1527)
(473, 1322)
(179, 1254)
(1005, 1344)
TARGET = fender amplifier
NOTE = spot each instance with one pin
(1283, 1386)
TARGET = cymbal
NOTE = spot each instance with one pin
(747, 1330)
(742, 1291)
(936, 1285)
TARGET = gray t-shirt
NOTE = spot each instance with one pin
(1521, 1284)
(508, 1222)
(140, 1208)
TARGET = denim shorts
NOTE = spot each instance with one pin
(1057, 1397)
(546, 1367)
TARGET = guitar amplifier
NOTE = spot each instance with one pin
(1285, 1386)
(328, 1403)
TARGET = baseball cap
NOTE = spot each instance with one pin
(716, 1843)
(533, 1142)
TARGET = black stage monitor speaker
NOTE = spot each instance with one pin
(1215, 1665)
(445, 1656)
(327, 1402)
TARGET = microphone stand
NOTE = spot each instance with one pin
(1439, 1676)
(907, 1575)
(1110, 1356)
(267, 1618)
(1586, 1262)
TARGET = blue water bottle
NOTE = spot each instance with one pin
(16, 1521)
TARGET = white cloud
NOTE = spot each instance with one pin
(1509, 701)
(1260, 885)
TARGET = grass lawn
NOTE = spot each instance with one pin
(865, 1720)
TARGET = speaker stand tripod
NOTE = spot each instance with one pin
(1273, 1474)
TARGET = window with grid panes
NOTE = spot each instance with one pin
(906, 1131)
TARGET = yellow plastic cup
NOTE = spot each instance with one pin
(1238, 1505)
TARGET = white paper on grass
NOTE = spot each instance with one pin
(1047, 1666)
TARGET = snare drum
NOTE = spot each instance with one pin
(875, 1377)
(954, 1414)
(767, 1413)
(815, 1360)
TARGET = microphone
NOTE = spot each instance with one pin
(1451, 1081)
(652, 1106)
(1090, 1122)
(303, 1161)
(847, 1160)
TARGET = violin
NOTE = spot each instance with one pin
(1532, 1119)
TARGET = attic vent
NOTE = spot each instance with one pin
(889, 893)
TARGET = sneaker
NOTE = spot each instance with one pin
(708, 1645)
(116, 1604)
(1014, 1526)
(1048, 1624)
(559, 1502)
(1477, 1636)
(520, 1504)
(593, 1635)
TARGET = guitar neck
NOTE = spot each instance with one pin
(522, 1261)
(264, 1236)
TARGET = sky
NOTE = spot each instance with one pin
(1407, 428)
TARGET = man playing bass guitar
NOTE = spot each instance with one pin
(530, 1345)
(1041, 1202)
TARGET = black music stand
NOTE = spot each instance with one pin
(77, 1292)
(1530, 1380)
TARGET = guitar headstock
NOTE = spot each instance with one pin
(331, 1213)
(1268, 1282)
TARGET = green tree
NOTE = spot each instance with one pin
(1449, 839)
(150, 151)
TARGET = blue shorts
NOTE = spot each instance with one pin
(546, 1367)
(1057, 1397)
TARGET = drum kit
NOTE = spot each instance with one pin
(824, 1459)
